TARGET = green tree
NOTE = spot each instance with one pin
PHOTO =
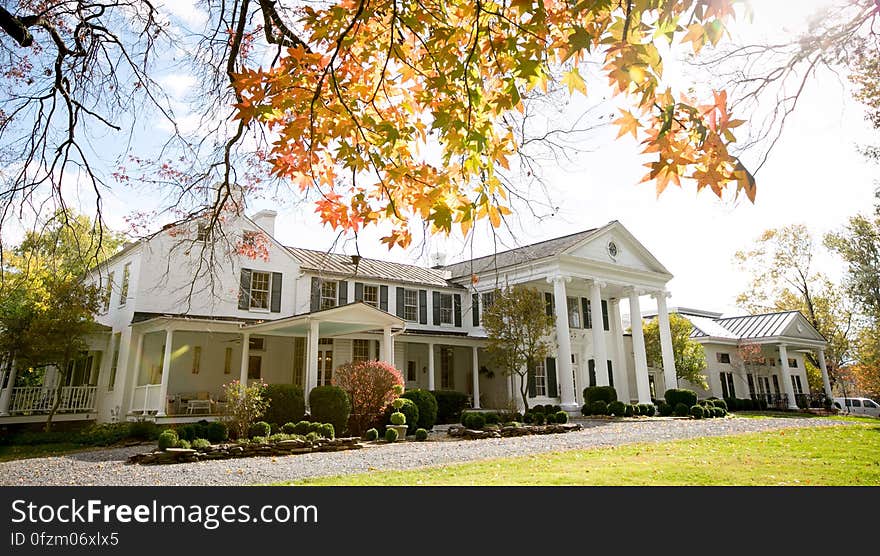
(690, 358)
(858, 244)
(517, 329)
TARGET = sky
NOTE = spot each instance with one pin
(814, 176)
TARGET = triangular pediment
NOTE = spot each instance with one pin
(614, 244)
(800, 327)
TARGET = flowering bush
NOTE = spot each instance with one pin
(245, 405)
(370, 386)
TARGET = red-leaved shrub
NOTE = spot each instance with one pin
(370, 387)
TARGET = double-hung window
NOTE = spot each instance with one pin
(329, 294)
(108, 292)
(371, 295)
(123, 292)
(540, 379)
(411, 305)
(445, 308)
(574, 313)
(260, 282)
(360, 350)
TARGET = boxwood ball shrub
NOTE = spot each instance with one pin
(200, 444)
(372, 435)
(585, 410)
(410, 411)
(697, 411)
(327, 431)
(301, 428)
(674, 396)
(427, 404)
(616, 408)
(168, 439)
(561, 417)
(529, 418)
(185, 444)
(216, 431)
(398, 418)
(287, 403)
(550, 418)
(539, 418)
(665, 409)
(681, 410)
(720, 403)
(449, 405)
(260, 428)
(650, 409)
(288, 428)
(391, 435)
(315, 426)
(474, 420)
(599, 407)
(421, 435)
(492, 418)
(606, 394)
(330, 404)
(313, 437)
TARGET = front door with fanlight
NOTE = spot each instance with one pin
(325, 361)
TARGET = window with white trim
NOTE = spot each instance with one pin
(108, 292)
(123, 292)
(260, 283)
(540, 378)
(723, 357)
(445, 308)
(411, 305)
(792, 363)
(360, 350)
(329, 290)
(114, 363)
(371, 295)
(574, 312)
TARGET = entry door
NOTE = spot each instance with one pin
(325, 362)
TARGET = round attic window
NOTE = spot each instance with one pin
(612, 249)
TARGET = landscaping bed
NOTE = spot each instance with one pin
(245, 450)
(509, 431)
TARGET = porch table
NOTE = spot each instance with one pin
(198, 406)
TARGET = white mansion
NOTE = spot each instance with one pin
(166, 346)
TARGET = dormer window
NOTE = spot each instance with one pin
(328, 294)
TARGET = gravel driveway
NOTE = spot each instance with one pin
(108, 467)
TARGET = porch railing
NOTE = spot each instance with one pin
(146, 398)
(803, 401)
(39, 399)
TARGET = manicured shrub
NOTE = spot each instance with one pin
(185, 444)
(449, 405)
(492, 418)
(216, 431)
(260, 428)
(289, 428)
(370, 388)
(697, 411)
(674, 396)
(561, 417)
(606, 394)
(314, 426)
(539, 418)
(555, 408)
(427, 404)
(99, 435)
(599, 407)
(538, 409)
(616, 408)
(410, 411)
(391, 435)
(398, 418)
(474, 420)
(201, 444)
(372, 434)
(550, 418)
(313, 437)
(664, 409)
(421, 435)
(187, 432)
(649, 410)
(529, 418)
(585, 410)
(143, 430)
(168, 439)
(628, 410)
(681, 410)
(327, 431)
(717, 412)
(287, 403)
(302, 428)
(330, 404)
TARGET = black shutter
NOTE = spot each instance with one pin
(588, 317)
(592, 368)
(436, 307)
(399, 301)
(724, 393)
(475, 309)
(316, 294)
(358, 291)
(531, 381)
(610, 373)
(605, 315)
(276, 292)
(548, 303)
(456, 308)
(383, 298)
(244, 292)
(342, 292)
(423, 306)
(550, 365)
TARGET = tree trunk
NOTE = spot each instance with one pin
(62, 378)
(524, 391)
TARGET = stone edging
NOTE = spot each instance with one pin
(229, 451)
(506, 432)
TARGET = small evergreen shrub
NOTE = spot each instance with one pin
(216, 431)
(287, 403)
(650, 410)
(315, 426)
(187, 432)
(398, 418)
(628, 410)
(697, 411)
(410, 411)
(260, 428)
(539, 418)
(184, 444)
(391, 435)
(617, 408)
(330, 404)
(674, 396)
(474, 420)
(449, 405)
(313, 437)
(681, 410)
(168, 439)
(550, 418)
(529, 418)
(421, 435)
(372, 435)
(201, 444)
(664, 409)
(327, 431)
(561, 417)
(143, 430)
(585, 410)
(492, 418)
(538, 409)
(606, 394)
(302, 428)
(289, 428)
(427, 404)
(599, 407)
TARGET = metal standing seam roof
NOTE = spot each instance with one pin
(334, 263)
(745, 327)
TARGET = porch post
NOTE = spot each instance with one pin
(668, 355)
(388, 345)
(786, 377)
(312, 366)
(430, 366)
(622, 384)
(600, 350)
(245, 360)
(824, 368)
(475, 365)
(641, 359)
(6, 395)
(563, 338)
(138, 355)
(166, 373)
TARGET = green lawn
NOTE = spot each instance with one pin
(847, 455)
(9, 453)
(798, 415)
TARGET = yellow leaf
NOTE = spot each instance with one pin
(628, 124)
(574, 81)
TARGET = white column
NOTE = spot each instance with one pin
(786, 377)
(312, 362)
(430, 366)
(475, 365)
(669, 373)
(166, 373)
(600, 350)
(824, 368)
(641, 359)
(6, 395)
(563, 352)
(388, 346)
(621, 376)
(138, 355)
(245, 360)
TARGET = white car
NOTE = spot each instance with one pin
(858, 406)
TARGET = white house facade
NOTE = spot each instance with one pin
(168, 342)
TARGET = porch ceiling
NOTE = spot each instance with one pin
(347, 319)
